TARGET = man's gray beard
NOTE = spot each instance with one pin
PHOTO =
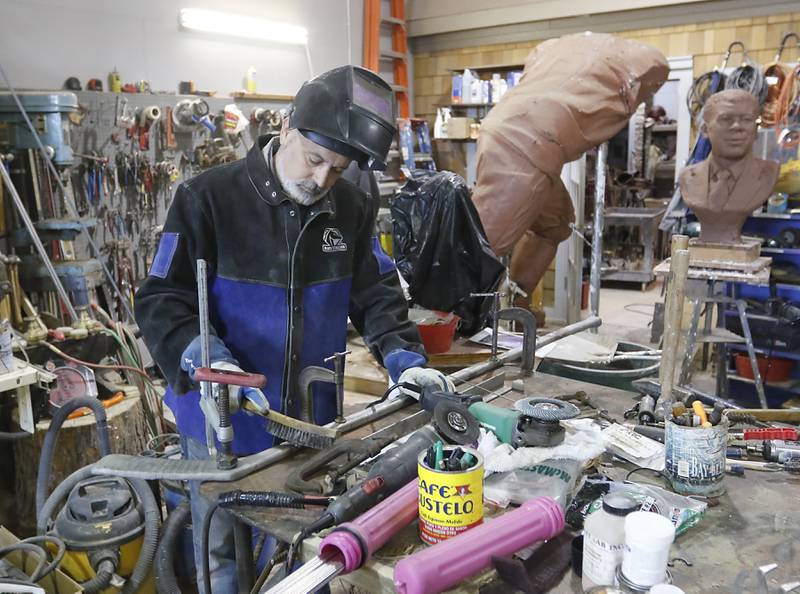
(295, 190)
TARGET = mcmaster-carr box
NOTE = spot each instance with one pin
(55, 583)
(459, 127)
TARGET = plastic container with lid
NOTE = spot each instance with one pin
(604, 539)
(648, 537)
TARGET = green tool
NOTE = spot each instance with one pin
(533, 422)
(438, 452)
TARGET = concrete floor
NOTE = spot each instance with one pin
(628, 313)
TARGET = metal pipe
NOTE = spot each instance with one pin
(26, 219)
(68, 200)
(597, 231)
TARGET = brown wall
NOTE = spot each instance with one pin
(706, 42)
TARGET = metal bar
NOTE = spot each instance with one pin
(26, 219)
(72, 210)
(762, 397)
(201, 273)
(597, 231)
(206, 470)
(243, 544)
(314, 574)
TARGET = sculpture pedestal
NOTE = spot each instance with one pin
(725, 255)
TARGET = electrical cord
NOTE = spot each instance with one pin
(748, 77)
(204, 545)
(59, 556)
(30, 548)
(277, 557)
(61, 353)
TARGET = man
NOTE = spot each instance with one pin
(291, 253)
(727, 187)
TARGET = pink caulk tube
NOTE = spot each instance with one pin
(356, 541)
(444, 565)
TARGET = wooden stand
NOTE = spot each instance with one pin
(715, 255)
(77, 446)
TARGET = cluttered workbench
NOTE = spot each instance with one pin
(747, 528)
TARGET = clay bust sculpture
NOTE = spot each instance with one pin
(727, 187)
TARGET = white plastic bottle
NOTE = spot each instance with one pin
(648, 537)
(604, 540)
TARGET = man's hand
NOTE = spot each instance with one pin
(237, 393)
(422, 377)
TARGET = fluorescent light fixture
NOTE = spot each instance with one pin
(237, 25)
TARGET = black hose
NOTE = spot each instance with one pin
(166, 582)
(101, 579)
(30, 548)
(152, 517)
(51, 438)
(60, 493)
(59, 556)
(204, 546)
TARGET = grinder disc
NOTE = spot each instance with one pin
(548, 410)
(455, 423)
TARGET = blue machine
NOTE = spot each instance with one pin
(48, 112)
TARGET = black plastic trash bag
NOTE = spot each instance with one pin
(440, 247)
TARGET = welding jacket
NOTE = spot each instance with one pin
(282, 281)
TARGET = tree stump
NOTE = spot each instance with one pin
(77, 446)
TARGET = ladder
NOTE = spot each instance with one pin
(374, 54)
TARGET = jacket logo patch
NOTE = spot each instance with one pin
(333, 241)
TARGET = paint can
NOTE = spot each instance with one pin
(450, 502)
(6, 352)
(695, 458)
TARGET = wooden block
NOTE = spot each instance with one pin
(752, 267)
(701, 252)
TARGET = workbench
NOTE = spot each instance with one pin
(753, 524)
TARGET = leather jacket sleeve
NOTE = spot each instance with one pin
(166, 303)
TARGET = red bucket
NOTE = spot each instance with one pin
(772, 369)
(438, 337)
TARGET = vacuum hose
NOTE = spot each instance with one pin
(101, 580)
(166, 582)
(51, 438)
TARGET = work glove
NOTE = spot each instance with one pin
(221, 358)
(423, 377)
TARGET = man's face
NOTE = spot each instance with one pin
(731, 127)
(306, 170)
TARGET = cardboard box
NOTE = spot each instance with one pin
(459, 127)
(56, 583)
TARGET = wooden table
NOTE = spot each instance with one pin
(755, 523)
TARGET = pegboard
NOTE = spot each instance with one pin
(129, 217)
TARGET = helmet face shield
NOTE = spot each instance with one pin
(349, 110)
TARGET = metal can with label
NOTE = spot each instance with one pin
(695, 458)
(450, 502)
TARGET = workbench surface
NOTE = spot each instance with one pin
(754, 524)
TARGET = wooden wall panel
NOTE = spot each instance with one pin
(705, 41)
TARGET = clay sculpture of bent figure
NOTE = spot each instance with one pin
(727, 187)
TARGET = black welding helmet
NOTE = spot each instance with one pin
(349, 110)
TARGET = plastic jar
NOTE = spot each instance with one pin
(604, 540)
(648, 537)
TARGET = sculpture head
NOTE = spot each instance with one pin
(730, 123)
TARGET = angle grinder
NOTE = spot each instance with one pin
(543, 419)
(533, 421)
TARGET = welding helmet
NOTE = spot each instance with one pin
(349, 110)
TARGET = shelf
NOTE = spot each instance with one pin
(469, 105)
(242, 96)
(784, 251)
(794, 355)
(776, 215)
(490, 67)
(787, 385)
